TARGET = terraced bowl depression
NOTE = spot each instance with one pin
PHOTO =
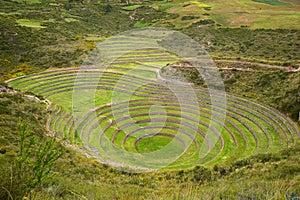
(126, 113)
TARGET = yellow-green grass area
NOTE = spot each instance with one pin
(109, 110)
(131, 8)
(224, 156)
(236, 13)
(70, 106)
(141, 25)
(65, 99)
(190, 8)
(94, 38)
(255, 15)
(146, 144)
(10, 13)
(289, 17)
(92, 111)
(273, 2)
(69, 17)
(153, 56)
(39, 23)
(28, 1)
(131, 50)
(31, 23)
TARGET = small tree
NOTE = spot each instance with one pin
(31, 167)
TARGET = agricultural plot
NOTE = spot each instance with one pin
(255, 14)
(125, 114)
(273, 2)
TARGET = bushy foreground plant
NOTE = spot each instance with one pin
(31, 166)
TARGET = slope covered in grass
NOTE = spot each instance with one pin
(257, 153)
(273, 175)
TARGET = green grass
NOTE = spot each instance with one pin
(199, 4)
(232, 173)
(249, 14)
(71, 20)
(85, 102)
(266, 176)
(273, 2)
(30, 23)
(165, 6)
(131, 8)
(152, 144)
(68, 47)
(10, 13)
(94, 38)
(28, 1)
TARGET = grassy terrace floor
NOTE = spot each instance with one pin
(121, 109)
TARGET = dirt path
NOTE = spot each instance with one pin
(290, 69)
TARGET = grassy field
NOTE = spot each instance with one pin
(62, 38)
(264, 176)
(89, 107)
(252, 14)
(273, 2)
(125, 133)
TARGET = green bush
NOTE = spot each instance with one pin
(31, 167)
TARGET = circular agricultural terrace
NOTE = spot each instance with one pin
(151, 128)
(156, 119)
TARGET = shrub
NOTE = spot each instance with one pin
(31, 167)
(201, 175)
